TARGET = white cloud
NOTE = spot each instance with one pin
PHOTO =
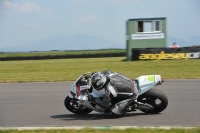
(88, 18)
(26, 8)
(35, 25)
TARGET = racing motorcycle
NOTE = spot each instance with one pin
(149, 100)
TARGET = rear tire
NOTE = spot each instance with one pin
(150, 97)
(72, 106)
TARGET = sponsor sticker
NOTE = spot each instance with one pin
(158, 78)
(84, 87)
(151, 78)
(145, 79)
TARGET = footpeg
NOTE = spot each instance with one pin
(131, 108)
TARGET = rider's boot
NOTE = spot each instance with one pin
(119, 107)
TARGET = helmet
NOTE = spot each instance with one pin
(98, 80)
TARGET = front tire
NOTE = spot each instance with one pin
(72, 106)
(152, 97)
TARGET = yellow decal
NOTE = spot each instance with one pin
(150, 78)
(163, 56)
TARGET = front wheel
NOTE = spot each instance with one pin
(155, 98)
(73, 107)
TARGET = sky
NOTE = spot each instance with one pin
(27, 21)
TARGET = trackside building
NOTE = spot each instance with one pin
(145, 33)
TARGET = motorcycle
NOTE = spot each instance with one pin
(149, 100)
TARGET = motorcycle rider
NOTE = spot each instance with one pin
(116, 86)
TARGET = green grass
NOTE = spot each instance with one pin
(27, 54)
(88, 130)
(70, 69)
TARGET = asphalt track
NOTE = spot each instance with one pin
(41, 104)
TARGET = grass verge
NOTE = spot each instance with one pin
(89, 130)
(70, 69)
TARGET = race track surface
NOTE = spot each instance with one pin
(41, 104)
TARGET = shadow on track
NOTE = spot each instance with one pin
(93, 116)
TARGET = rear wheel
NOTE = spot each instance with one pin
(155, 98)
(73, 107)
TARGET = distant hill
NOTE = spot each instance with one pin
(82, 42)
(71, 42)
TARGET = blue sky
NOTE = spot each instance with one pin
(28, 21)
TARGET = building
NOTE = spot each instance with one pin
(145, 33)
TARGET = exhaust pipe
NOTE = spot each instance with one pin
(144, 106)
